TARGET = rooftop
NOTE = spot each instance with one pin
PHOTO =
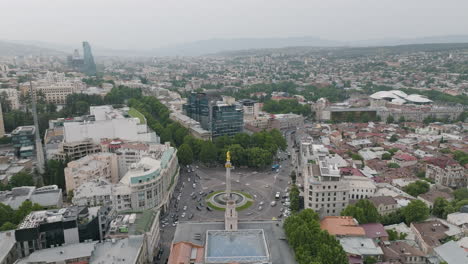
(120, 251)
(341, 226)
(397, 249)
(236, 246)
(60, 254)
(432, 232)
(275, 238)
(360, 246)
(136, 223)
(374, 230)
(7, 242)
(452, 253)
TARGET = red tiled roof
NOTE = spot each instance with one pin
(441, 162)
(405, 157)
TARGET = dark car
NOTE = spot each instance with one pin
(198, 208)
(190, 216)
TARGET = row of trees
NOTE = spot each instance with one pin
(365, 212)
(10, 218)
(256, 150)
(310, 243)
(18, 180)
(286, 106)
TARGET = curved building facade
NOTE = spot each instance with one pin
(149, 183)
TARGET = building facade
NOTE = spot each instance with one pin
(220, 116)
(24, 141)
(446, 172)
(149, 183)
(91, 167)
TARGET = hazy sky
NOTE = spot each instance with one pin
(148, 24)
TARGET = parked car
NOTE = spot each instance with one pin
(209, 208)
(198, 208)
(273, 203)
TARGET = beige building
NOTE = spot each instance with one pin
(325, 190)
(57, 93)
(95, 166)
(12, 96)
(446, 172)
(384, 204)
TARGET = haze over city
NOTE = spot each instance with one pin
(216, 132)
(125, 24)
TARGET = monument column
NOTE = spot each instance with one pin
(228, 176)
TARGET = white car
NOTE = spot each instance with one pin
(262, 203)
(273, 203)
(185, 208)
(183, 215)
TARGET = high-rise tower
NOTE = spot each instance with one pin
(89, 66)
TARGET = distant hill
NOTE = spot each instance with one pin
(15, 49)
(220, 46)
(210, 46)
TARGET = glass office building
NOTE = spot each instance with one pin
(214, 114)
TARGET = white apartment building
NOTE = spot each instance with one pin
(12, 96)
(80, 136)
(360, 187)
(149, 183)
(109, 123)
(91, 167)
(325, 190)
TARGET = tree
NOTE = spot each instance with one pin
(393, 165)
(439, 208)
(386, 156)
(415, 211)
(401, 119)
(417, 188)
(7, 226)
(185, 154)
(208, 153)
(55, 173)
(390, 120)
(393, 138)
(6, 213)
(460, 194)
(392, 218)
(310, 243)
(294, 198)
(363, 211)
(370, 260)
(22, 179)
